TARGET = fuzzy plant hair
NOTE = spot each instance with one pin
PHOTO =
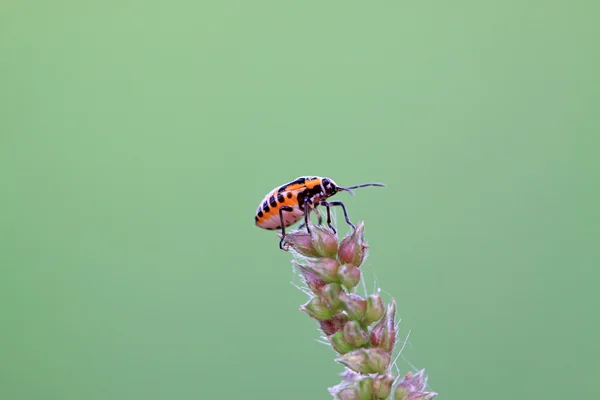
(362, 331)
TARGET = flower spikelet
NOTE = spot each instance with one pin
(361, 330)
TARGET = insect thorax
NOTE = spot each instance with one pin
(312, 196)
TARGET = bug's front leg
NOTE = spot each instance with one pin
(336, 203)
(326, 204)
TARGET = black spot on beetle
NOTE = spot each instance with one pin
(298, 181)
(301, 197)
(272, 201)
(260, 214)
(309, 195)
(280, 198)
(266, 208)
(289, 195)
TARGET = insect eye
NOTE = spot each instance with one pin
(326, 182)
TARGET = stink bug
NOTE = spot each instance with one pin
(286, 204)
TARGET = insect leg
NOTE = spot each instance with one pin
(281, 210)
(327, 205)
(306, 214)
(319, 216)
(339, 203)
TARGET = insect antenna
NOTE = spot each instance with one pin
(349, 188)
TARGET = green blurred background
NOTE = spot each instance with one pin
(137, 139)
